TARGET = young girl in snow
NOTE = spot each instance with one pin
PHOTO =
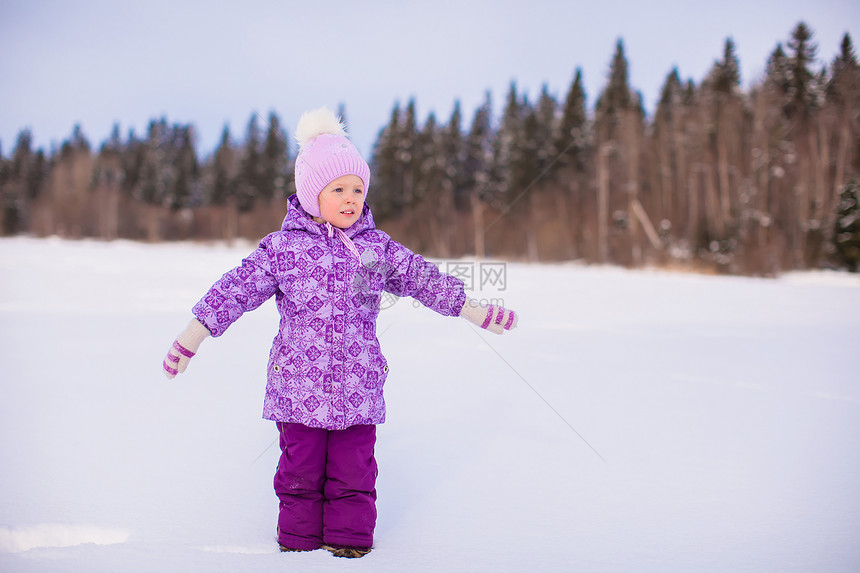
(327, 267)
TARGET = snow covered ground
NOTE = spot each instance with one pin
(727, 411)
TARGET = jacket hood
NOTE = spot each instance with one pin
(297, 219)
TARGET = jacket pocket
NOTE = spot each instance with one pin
(279, 359)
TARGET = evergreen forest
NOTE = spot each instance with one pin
(717, 178)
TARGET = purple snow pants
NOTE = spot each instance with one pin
(326, 484)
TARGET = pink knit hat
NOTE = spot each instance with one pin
(325, 154)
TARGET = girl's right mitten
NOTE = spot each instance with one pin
(184, 347)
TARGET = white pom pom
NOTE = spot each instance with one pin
(316, 122)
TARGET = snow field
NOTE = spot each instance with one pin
(727, 411)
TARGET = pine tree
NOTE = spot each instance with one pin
(274, 161)
(250, 183)
(847, 229)
(341, 113)
(38, 175)
(769, 143)
(573, 140)
(167, 167)
(547, 133)
(802, 103)
(723, 110)
(616, 97)
(222, 176)
(71, 185)
(614, 114)
(843, 92)
(33, 176)
(668, 147)
(150, 187)
(479, 156)
(155, 176)
(478, 170)
(803, 90)
(14, 198)
(77, 142)
(184, 190)
(525, 179)
(671, 97)
(224, 179)
(573, 134)
(509, 149)
(4, 169)
(407, 134)
(843, 85)
(725, 75)
(132, 161)
(452, 157)
(4, 179)
(107, 184)
(426, 155)
(778, 72)
(22, 156)
(525, 160)
(449, 161)
(385, 197)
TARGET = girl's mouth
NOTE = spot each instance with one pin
(348, 212)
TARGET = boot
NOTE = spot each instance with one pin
(348, 552)
(291, 549)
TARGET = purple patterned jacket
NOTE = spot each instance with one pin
(326, 369)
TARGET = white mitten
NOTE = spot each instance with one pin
(184, 347)
(496, 319)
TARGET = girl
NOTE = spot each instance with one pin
(327, 267)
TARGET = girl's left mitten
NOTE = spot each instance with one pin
(184, 347)
(496, 319)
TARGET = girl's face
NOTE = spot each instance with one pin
(341, 201)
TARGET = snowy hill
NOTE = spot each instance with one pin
(727, 411)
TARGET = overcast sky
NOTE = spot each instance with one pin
(211, 64)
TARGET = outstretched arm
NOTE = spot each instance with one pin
(408, 274)
(240, 290)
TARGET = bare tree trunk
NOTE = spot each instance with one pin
(567, 222)
(818, 145)
(723, 173)
(842, 152)
(603, 203)
(442, 220)
(712, 205)
(713, 209)
(633, 185)
(665, 178)
(231, 220)
(152, 223)
(531, 231)
(676, 205)
(110, 225)
(639, 211)
(693, 208)
(831, 188)
(761, 169)
(801, 197)
(478, 221)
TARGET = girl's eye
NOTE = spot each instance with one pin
(338, 189)
(359, 191)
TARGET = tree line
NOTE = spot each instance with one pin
(717, 178)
